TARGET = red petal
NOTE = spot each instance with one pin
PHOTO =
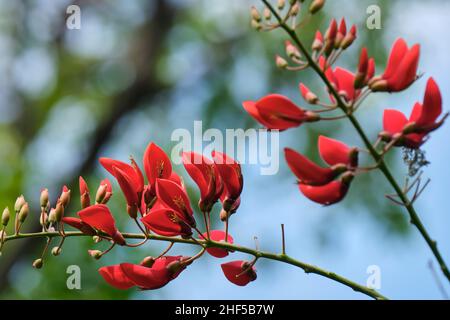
(116, 277)
(219, 236)
(230, 172)
(345, 80)
(279, 112)
(406, 72)
(129, 170)
(398, 51)
(83, 186)
(79, 224)
(126, 184)
(363, 61)
(232, 271)
(201, 170)
(161, 221)
(333, 151)
(432, 104)
(146, 278)
(107, 183)
(307, 171)
(175, 198)
(99, 217)
(250, 107)
(370, 69)
(343, 27)
(327, 195)
(156, 164)
(394, 121)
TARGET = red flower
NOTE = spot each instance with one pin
(100, 218)
(175, 197)
(127, 275)
(366, 70)
(166, 222)
(219, 236)
(132, 172)
(342, 80)
(84, 193)
(206, 175)
(129, 190)
(230, 171)
(422, 121)
(156, 164)
(328, 194)
(276, 112)
(80, 225)
(234, 272)
(401, 70)
(318, 183)
(335, 152)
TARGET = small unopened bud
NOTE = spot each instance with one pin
(44, 198)
(96, 254)
(267, 13)
(349, 38)
(59, 211)
(38, 263)
(256, 25)
(317, 44)
(23, 213)
(147, 262)
(255, 14)
(51, 217)
(281, 4)
(96, 239)
(5, 216)
(280, 62)
(101, 193)
(65, 196)
(19, 203)
(316, 6)
(291, 50)
(295, 9)
(56, 251)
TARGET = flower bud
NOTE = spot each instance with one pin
(65, 196)
(5, 216)
(267, 13)
(295, 9)
(132, 211)
(56, 251)
(23, 213)
(316, 6)
(51, 217)
(349, 38)
(317, 44)
(96, 239)
(291, 50)
(280, 62)
(19, 203)
(59, 211)
(44, 198)
(256, 25)
(38, 263)
(101, 193)
(96, 254)
(255, 14)
(281, 4)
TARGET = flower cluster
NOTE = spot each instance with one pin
(163, 207)
(346, 91)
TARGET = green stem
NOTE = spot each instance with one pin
(414, 217)
(308, 268)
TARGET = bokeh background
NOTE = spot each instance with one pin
(137, 70)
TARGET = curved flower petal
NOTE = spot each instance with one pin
(233, 271)
(219, 236)
(333, 151)
(156, 164)
(307, 171)
(116, 277)
(327, 195)
(394, 121)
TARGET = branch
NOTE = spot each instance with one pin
(308, 268)
(414, 217)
